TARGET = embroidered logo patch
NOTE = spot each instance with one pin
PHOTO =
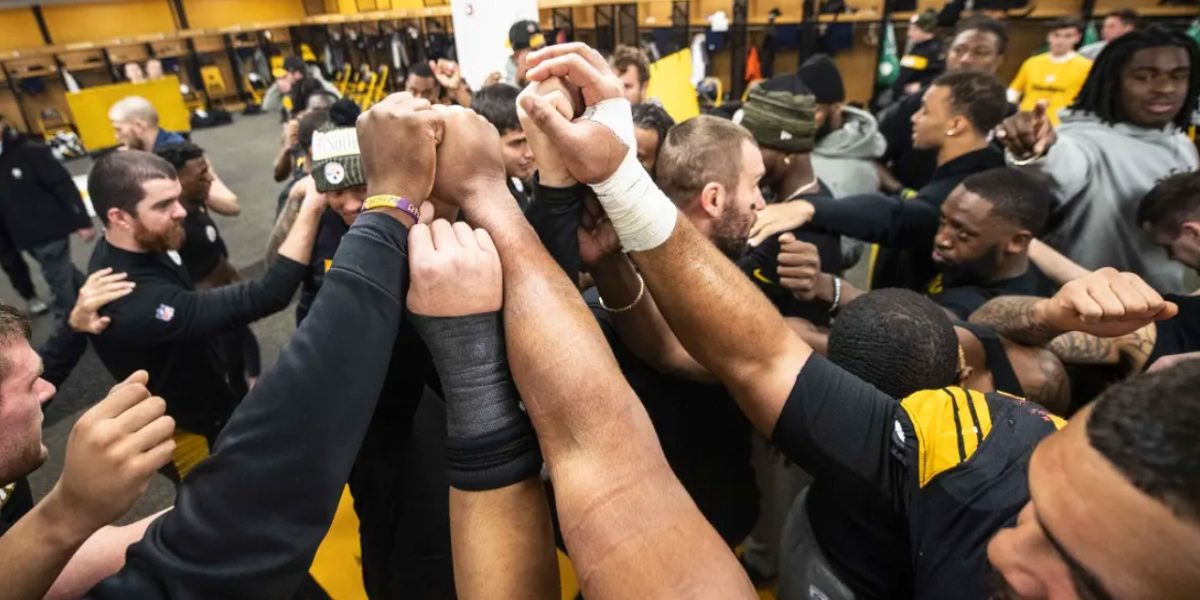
(211, 232)
(335, 173)
(164, 313)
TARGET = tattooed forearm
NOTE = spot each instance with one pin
(1085, 349)
(1052, 389)
(1136, 347)
(283, 225)
(1014, 317)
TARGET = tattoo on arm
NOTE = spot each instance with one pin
(1135, 348)
(1054, 389)
(1085, 349)
(283, 225)
(1014, 318)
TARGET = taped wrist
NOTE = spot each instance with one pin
(641, 214)
(490, 443)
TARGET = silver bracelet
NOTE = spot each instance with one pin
(640, 294)
(837, 294)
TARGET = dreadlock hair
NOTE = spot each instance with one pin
(1101, 93)
(896, 340)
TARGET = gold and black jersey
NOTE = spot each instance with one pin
(952, 463)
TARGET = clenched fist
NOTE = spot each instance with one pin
(1105, 303)
(398, 138)
(113, 450)
(799, 267)
(469, 164)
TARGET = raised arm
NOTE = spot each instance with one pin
(243, 527)
(500, 531)
(1058, 268)
(202, 314)
(113, 451)
(875, 218)
(1105, 303)
(630, 527)
(221, 199)
(62, 351)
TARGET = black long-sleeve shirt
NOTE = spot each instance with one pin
(248, 520)
(904, 228)
(170, 330)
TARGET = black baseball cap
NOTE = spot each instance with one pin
(525, 34)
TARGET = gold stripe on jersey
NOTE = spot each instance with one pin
(190, 450)
(950, 424)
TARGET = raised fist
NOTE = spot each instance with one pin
(398, 138)
(469, 163)
(1105, 303)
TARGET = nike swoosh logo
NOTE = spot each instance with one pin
(758, 274)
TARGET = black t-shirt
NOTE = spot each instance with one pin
(704, 436)
(16, 499)
(203, 249)
(965, 299)
(950, 461)
(1180, 333)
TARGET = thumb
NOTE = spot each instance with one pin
(786, 238)
(547, 118)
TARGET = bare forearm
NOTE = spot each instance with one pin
(642, 328)
(1017, 318)
(283, 225)
(1054, 264)
(35, 550)
(724, 322)
(283, 163)
(299, 242)
(505, 531)
(221, 199)
(100, 556)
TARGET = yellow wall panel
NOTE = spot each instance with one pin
(347, 7)
(399, 4)
(20, 29)
(70, 23)
(226, 13)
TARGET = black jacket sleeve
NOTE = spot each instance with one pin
(248, 520)
(58, 182)
(61, 352)
(879, 219)
(160, 312)
(555, 214)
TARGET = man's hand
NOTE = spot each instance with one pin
(87, 234)
(290, 137)
(552, 171)
(314, 201)
(597, 238)
(398, 138)
(113, 450)
(778, 218)
(1027, 134)
(101, 287)
(1105, 303)
(590, 150)
(455, 271)
(447, 73)
(469, 163)
(799, 267)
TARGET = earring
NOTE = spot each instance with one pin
(787, 160)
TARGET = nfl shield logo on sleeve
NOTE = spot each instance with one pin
(164, 313)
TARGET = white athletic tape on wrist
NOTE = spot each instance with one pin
(641, 214)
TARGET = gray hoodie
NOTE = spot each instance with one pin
(845, 161)
(1099, 173)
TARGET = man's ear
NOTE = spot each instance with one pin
(1019, 242)
(957, 126)
(118, 218)
(1190, 229)
(964, 375)
(712, 199)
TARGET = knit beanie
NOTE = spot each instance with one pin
(781, 120)
(337, 162)
(821, 76)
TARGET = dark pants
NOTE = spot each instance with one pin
(62, 276)
(14, 265)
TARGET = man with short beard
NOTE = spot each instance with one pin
(165, 326)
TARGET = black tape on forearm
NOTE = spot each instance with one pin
(490, 443)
